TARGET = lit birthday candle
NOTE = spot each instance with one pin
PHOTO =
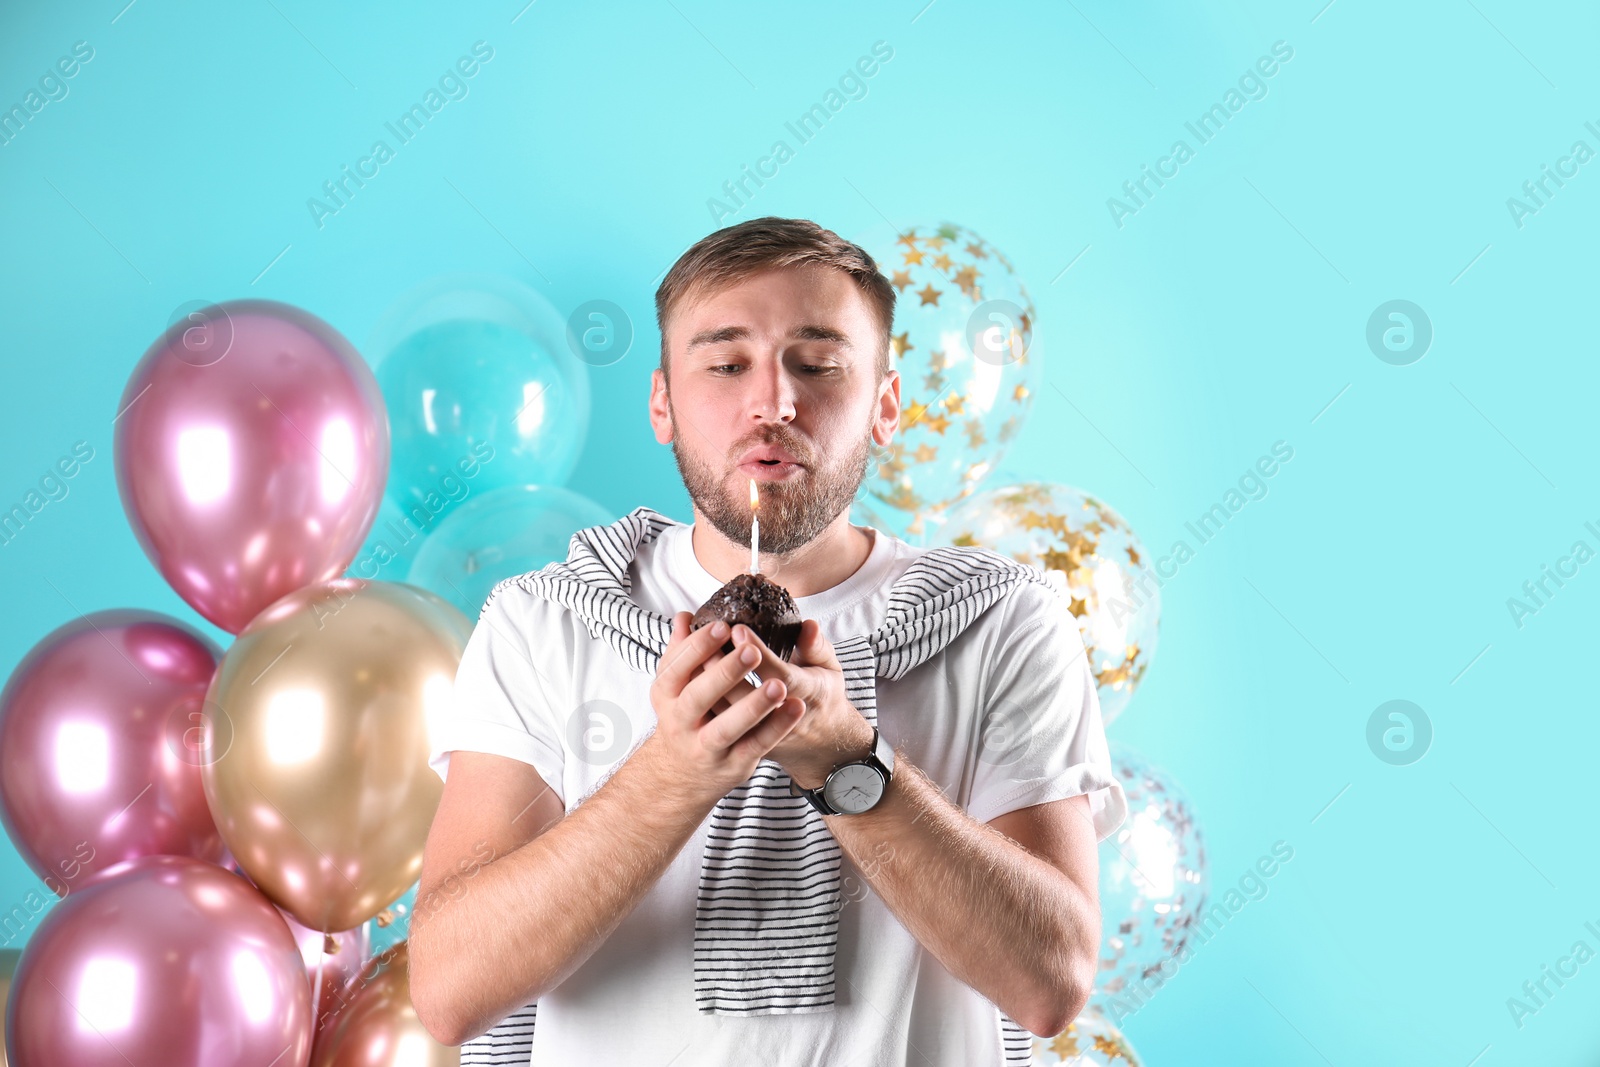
(755, 529)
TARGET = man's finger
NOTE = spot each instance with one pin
(744, 714)
(681, 658)
(770, 664)
(721, 675)
(814, 650)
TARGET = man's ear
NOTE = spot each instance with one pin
(887, 418)
(660, 417)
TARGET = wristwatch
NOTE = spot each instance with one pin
(854, 787)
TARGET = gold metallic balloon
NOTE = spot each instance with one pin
(8, 970)
(376, 1026)
(316, 744)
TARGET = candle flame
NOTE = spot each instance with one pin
(755, 496)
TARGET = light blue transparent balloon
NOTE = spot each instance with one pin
(1154, 882)
(392, 925)
(966, 346)
(482, 392)
(1084, 545)
(864, 511)
(508, 531)
(1088, 1041)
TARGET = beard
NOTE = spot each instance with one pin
(792, 511)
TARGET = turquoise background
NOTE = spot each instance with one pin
(1229, 313)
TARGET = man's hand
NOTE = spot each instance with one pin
(831, 731)
(692, 676)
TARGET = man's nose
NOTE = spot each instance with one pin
(773, 392)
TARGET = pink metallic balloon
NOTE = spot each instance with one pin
(100, 746)
(378, 1025)
(252, 447)
(162, 960)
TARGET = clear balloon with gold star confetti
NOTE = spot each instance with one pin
(862, 513)
(1089, 550)
(1088, 1041)
(1154, 881)
(963, 343)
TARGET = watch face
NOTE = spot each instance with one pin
(853, 788)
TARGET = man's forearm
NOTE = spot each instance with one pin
(998, 917)
(533, 916)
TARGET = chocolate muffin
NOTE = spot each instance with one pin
(763, 605)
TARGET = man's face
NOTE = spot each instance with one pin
(785, 360)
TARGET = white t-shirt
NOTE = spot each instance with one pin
(1005, 717)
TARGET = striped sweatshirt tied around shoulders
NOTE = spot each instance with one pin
(767, 911)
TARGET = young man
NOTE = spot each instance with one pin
(678, 898)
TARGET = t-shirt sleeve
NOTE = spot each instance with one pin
(501, 701)
(1041, 736)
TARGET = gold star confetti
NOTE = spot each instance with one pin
(936, 423)
(907, 239)
(925, 452)
(953, 402)
(1057, 560)
(901, 343)
(904, 499)
(912, 413)
(901, 280)
(935, 243)
(1008, 429)
(1079, 541)
(912, 258)
(1133, 555)
(929, 295)
(943, 262)
(1118, 675)
(1065, 1044)
(967, 280)
(976, 251)
(933, 383)
(964, 539)
(975, 436)
(1020, 392)
(1110, 1048)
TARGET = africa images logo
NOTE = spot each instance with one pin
(452, 85)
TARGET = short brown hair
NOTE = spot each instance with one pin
(737, 252)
